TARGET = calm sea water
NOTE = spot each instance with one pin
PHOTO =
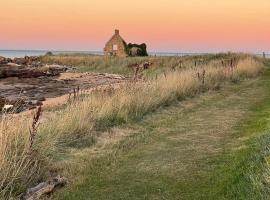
(22, 53)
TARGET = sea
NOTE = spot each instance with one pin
(23, 53)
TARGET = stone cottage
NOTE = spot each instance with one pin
(116, 46)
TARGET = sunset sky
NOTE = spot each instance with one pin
(164, 25)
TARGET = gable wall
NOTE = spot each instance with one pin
(115, 40)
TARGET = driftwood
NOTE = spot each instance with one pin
(44, 188)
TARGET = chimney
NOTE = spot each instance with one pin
(116, 32)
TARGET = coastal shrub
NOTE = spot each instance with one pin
(141, 49)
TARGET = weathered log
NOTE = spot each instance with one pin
(44, 188)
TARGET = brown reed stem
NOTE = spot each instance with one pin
(34, 127)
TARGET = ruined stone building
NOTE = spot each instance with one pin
(116, 46)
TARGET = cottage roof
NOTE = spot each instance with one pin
(117, 35)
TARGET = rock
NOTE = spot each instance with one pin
(13, 64)
(49, 53)
(44, 188)
(4, 60)
(2, 74)
(42, 77)
(26, 61)
(33, 102)
(2, 102)
(34, 58)
(33, 61)
(36, 103)
(41, 98)
(20, 61)
(7, 108)
(15, 70)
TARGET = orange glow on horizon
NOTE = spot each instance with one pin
(165, 25)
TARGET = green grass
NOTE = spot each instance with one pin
(209, 147)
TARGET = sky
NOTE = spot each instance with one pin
(164, 25)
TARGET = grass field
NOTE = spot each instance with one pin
(146, 133)
(90, 63)
(211, 147)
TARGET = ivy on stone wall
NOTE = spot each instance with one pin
(136, 49)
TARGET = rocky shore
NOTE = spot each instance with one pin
(27, 82)
(27, 67)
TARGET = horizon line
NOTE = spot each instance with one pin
(167, 52)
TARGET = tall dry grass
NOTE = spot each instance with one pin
(101, 110)
(93, 63)
(17, 167)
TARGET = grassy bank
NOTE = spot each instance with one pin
(100, 111)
